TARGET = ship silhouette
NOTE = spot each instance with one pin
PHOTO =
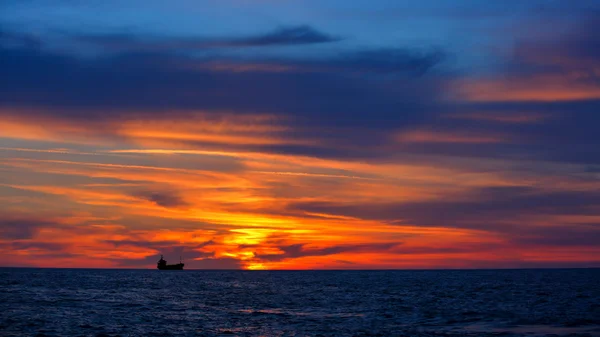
(162, 265)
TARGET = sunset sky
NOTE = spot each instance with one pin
(315, 134)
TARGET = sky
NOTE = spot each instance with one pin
(283, 134)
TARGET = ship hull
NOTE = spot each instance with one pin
(178, 266)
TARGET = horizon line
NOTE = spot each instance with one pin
(299, 270)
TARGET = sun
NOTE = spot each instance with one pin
(255, 266)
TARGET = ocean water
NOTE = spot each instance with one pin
(69, 302)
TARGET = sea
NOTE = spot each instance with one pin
(101, 303)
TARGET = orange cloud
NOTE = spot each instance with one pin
(18, 125)
(250, 130)
(182, 127)
(428, 136)
(509, 118)
(542, 88)
(114, 207)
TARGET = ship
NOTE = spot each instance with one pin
(162, 265)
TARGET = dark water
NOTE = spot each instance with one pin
(48, 302)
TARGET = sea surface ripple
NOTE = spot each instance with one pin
(87, 302)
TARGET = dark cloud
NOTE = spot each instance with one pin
(434, 250)
(283, 36)
(576, 49)
(345, 262)
(47, 246)
(143, 243)
(321, 92)
(540, 72)
(580, 235)
(593, 169)
(165, 199)
(574, 58)
(509, 263)
(568, 63)
(485, 208)
(173, 247)
(20, 229)
(300, 250)
(388, 60)
(366, 93)
(565, 132)
(359, 97)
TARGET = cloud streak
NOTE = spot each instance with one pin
(387, 146)
(282, 36)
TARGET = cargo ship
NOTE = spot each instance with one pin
(162, 265)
